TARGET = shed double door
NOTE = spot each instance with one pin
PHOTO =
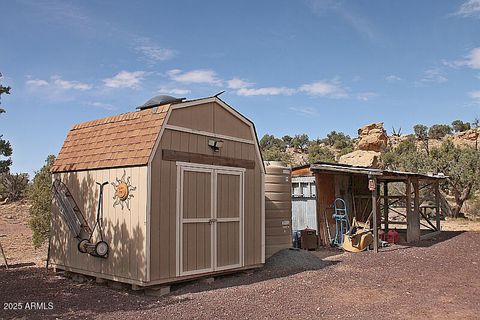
(210, 219)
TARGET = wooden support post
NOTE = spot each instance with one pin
(408, 204)
(4, 257)
(374, 212)
(385, 205)
(437, 204)
(413, 214)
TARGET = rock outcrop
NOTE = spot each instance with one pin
(372, 137)
(470, 137)
(372, 140)
(361, 158)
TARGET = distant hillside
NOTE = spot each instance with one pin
(364, 150)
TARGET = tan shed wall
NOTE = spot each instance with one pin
(278, 209)
(164, 183)
(209, 117)
(124, 230)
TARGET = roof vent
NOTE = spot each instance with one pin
(159, 101)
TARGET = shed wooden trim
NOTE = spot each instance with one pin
(100, 275)
(208, 134)
(214, 171)
(208, 166)
(262, 219)
(252, 128)
(149, 194)
(173, 155)
(149, 283)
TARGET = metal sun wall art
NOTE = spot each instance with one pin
(123, 188)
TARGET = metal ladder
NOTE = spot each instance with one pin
(68, 208)
(342, 224)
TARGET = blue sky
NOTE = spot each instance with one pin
(308, 66)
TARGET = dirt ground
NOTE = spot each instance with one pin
(437, 278)
(16, 236)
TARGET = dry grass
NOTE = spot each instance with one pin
(460, 224)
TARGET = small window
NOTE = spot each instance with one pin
(297, 191)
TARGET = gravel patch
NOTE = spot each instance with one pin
(434, 279)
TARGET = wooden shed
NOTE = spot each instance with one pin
(375, 195)
(184, 196)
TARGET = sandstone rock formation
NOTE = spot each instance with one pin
(372, 137)
(361, 158)
(470, 137)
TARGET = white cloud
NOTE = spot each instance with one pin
(67, 85)
(393, 78)
(470, 8)
(307, 111)
(359, 23)
(324, 89)
(365, 96)
(101, 105)
(204, 76)
(57, 83)
(265, 91)
(433, 76)
(37, 83)
(473, 59)
(475, 95)
(151, 51)
(125, 79)
(174, 91)
(155, 52)
(237, 83)
(244, 88)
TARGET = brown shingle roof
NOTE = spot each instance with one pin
(118, 141)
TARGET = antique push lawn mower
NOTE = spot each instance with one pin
(77, 223)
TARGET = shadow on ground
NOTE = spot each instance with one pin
(18, 265)
(284, 263)
(443, 236)
(69, 299)
(84, 300)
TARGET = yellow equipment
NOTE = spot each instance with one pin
(358, 238)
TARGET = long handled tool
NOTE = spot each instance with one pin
(77, 223)
(327, 227)
(100, 248)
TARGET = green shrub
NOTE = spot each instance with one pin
(13, 185)
(40, 194)
(338, 140)
(438, 131)
(300, 142)
(460, 126)
(276, 154)
(319, 153)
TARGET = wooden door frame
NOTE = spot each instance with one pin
(213, 170)
(240, 175)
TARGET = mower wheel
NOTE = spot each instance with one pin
(101, 248)
(82, 245)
